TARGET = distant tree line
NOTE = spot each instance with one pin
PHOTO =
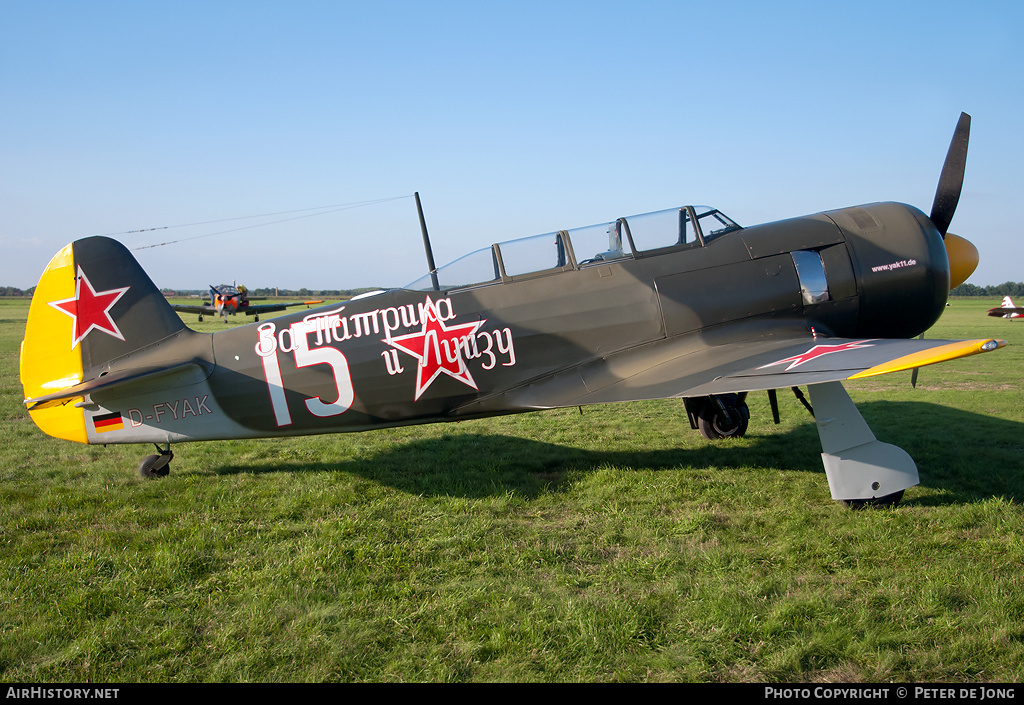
(15, 291)
(334, 293)
(1005, 289)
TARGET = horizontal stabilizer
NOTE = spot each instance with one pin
(109, 381)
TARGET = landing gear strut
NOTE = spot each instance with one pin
(861, 470)
(157, 465)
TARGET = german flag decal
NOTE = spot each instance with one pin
(108, 422)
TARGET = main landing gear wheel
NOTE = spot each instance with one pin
(153, 466)
(885, 502)
(724, 416)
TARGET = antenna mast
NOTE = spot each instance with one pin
(426, 244)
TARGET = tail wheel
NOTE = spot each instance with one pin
(725, 416)
(157, 465)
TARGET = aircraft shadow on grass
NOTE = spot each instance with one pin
(967, 455)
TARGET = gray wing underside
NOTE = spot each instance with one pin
(688, 368)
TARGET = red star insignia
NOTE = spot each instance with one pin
(90, 309)
(817, 351)
(438, 347)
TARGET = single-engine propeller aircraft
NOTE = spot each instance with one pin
(232, 300)
(682, 303)
(1007, 310)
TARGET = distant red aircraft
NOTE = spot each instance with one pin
(1007, 310)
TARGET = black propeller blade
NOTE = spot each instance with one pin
(947, 196)
(951, 181)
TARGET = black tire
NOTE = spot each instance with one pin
(713, 425)
(885, 502)
(149, 469)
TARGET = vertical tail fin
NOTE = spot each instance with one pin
(93, 305)
(1008, 304)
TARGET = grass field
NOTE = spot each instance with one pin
(610, 545)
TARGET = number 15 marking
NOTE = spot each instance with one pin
(267, 348)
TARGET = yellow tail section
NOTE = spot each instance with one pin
(49, 361)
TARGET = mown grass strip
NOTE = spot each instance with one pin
(612, 545)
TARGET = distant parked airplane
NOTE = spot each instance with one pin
(235, 299)
(1007, 310)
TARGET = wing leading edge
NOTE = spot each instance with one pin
(185, 308)
(271, 308)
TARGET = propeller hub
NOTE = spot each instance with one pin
(963, 259)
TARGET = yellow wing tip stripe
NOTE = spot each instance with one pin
(943, 353)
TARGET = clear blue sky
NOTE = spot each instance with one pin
(510, 119)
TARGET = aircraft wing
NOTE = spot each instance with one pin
(207, 309)
(202, 309)
(834, 360)
(1001, 312)
(270, 308)
(693, 368)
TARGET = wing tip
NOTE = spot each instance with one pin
(944, 353)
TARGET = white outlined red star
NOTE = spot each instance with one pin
(816, 352)
(90, 309)
(438, 347)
